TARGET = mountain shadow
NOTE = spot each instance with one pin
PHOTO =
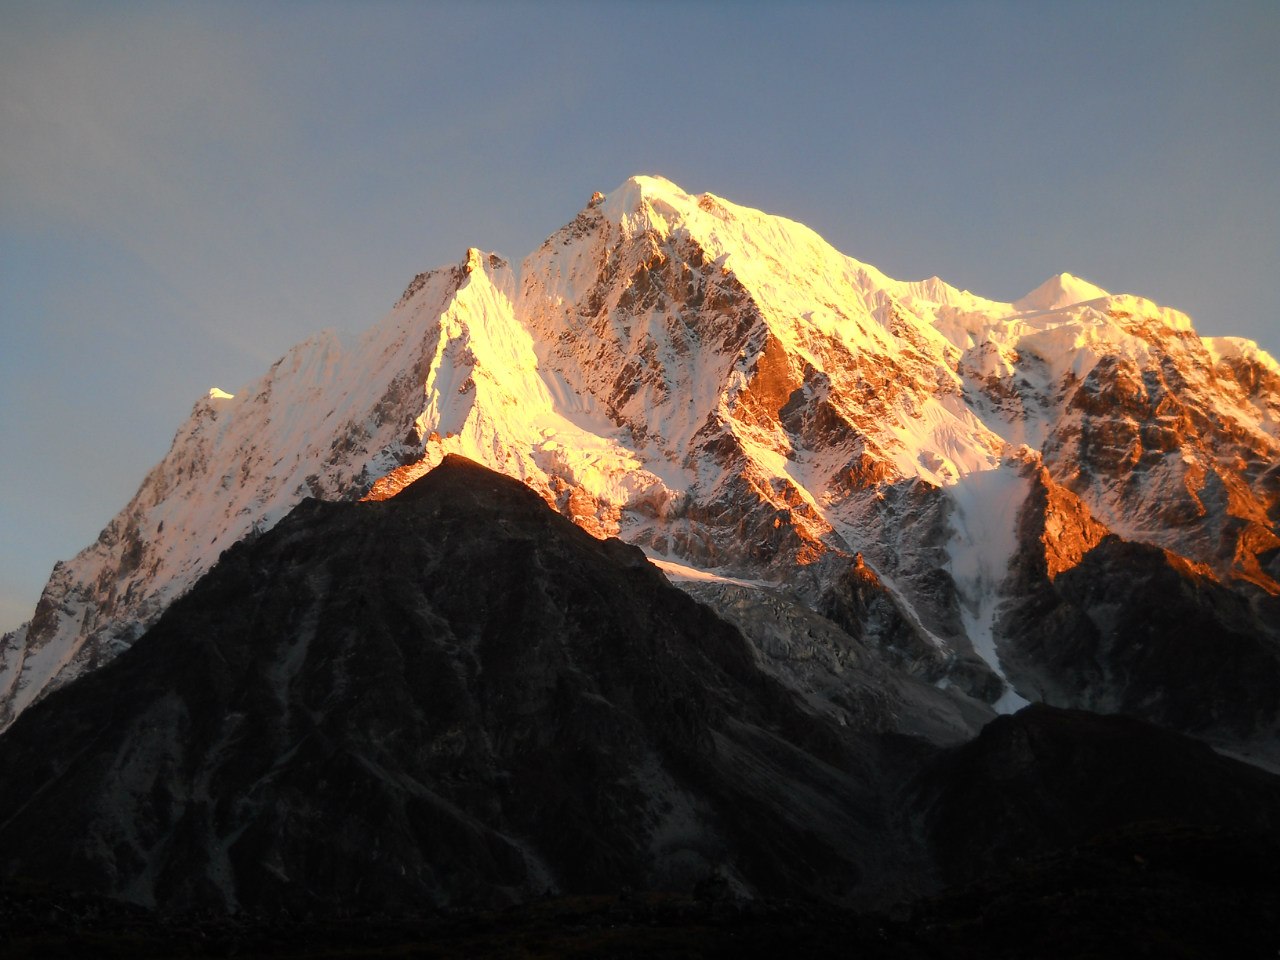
(454, 697)
(456, 700)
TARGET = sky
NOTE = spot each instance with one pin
(187, 189)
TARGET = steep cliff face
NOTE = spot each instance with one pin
(1169, 438)
(774, 376)
(1091, 620)
(912, 463)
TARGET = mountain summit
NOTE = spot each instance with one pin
(981, 496)
(1064, 290)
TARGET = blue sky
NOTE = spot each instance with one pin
(188, 189)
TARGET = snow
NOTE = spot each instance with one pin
(676, 572)
(984, 539)
(523, 377)
(449, 370)
(1230, 348)
(1058, 292)
(11, 656)
(44, 662)
(807, 295)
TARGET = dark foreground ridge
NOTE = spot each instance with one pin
(452, 698)
(453, 721)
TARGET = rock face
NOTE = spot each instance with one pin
(454, 697)
(1110, 625)
(1047, 780)
(928, 471)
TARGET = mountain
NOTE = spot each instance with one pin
(451, 698)
(455, 699)
(875, 479)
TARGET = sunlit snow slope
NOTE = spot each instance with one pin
(722, 387)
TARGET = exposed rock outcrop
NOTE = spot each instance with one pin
(722, 388)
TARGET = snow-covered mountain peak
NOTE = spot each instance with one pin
(496, 269)
(1063, 290)
(1138, 311)
(642, 188)
(1238, 348)
(725, 389)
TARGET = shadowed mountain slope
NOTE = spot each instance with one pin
(457, 699)
(1046, 780)
(722, 388)
(452, 697)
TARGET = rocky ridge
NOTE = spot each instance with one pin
(453, 702)
(453, 697)
(922, 468)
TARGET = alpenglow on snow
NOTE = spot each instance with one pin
(772, 421)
